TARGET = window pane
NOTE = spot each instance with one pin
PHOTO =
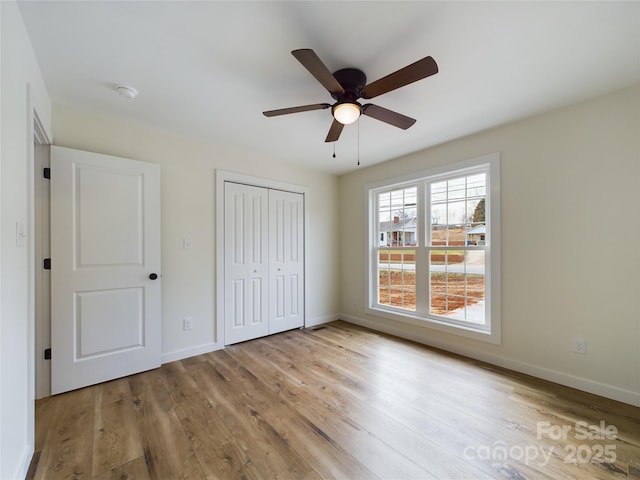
(477, 185)
(457, 285)
(439, 224)
(456, 188)
(397, 222)
(438, 192)
(397, 279)
(457, 210)
(476, 194)
(456, 223)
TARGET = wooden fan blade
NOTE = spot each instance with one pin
(334, 131)
(312, 62)
(387, 116)
(302, 108)
(409, 74)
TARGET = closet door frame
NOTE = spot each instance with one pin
(223, 176)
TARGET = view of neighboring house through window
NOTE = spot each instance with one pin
(431, 241)
(397, 226)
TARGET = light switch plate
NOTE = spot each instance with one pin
(20, 235)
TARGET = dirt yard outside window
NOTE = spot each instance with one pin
(398, 289)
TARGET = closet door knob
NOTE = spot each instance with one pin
(153, 276)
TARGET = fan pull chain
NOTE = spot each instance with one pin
(358, 141)
(334, 149)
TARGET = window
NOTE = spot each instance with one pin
(434, 249)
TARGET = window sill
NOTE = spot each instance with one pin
(468, 331)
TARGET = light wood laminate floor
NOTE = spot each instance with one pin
(338, 402)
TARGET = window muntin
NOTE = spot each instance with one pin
(442, 273)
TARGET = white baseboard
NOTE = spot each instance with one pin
(581, 383)
(190, 352)
(321, 320)
(212, 347)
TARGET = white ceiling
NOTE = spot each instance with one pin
(208, 69)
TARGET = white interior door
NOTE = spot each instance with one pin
(286, 261)
(246, 262)
(105, 246)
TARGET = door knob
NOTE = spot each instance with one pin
(153, 276)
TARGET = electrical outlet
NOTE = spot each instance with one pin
(187, 323)
(579, 345)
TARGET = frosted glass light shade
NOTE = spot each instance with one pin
(346, 113)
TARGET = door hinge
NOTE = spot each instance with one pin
(46, 172)
(47, 264)
(47, 353)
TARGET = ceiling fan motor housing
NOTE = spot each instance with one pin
(353, 81)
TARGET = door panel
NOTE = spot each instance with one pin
(109, 233)
(286, 255)
(105, 242)
(246, 262)
(109, 321)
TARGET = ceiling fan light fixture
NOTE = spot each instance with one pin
(346, 113)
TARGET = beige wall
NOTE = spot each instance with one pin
(188, 210)
(22, 91)
(570, 243)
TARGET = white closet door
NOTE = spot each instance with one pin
(286, 261)
(246, 262)
(105, 274)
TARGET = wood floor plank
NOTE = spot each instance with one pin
(336, 402)
(367, 448)
(136, 469)
(265, 448)
(323, 453)
(214, 444)
(68, 448)
(45, 415)
(116, 439)
(180, 385)
(167, 450)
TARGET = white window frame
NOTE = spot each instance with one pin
(489, 332)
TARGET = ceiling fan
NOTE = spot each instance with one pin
(348, 85)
